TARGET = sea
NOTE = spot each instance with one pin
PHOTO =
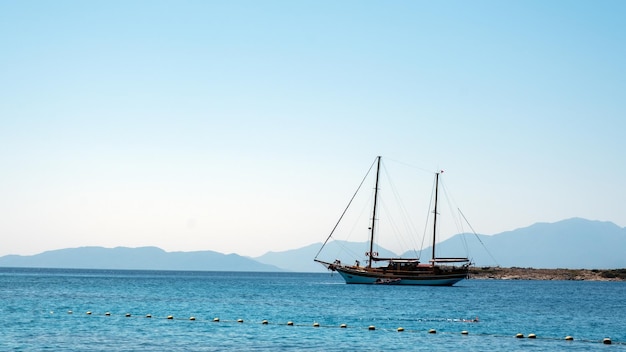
(119, 310)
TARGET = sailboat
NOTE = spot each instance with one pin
(438, 271)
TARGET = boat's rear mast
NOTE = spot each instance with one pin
(434, 259)
(435, 213)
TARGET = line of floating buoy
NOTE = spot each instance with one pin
(531, 336)
(606, 341)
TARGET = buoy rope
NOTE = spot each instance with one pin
(215, 320)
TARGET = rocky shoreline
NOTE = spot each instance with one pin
(498, 273)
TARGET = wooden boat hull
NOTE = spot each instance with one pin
(431, 277)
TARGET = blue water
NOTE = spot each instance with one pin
(34, 306)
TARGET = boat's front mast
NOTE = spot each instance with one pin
(372, 228)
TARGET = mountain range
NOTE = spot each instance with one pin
(573, 243)
(142, 258)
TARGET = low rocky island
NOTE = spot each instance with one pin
(515, 273)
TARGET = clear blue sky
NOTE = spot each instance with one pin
(244, 126)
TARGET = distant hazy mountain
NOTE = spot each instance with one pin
(144, 258)
(574, 243)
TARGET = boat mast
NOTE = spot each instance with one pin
(435, 217)
(371, 252)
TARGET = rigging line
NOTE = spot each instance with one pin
(479, 240)
(405, 218)
(348, 206)
(458, 223)
(451, 203)
(391, 223)
(409, 165)
(463, 237)
(342, 248)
